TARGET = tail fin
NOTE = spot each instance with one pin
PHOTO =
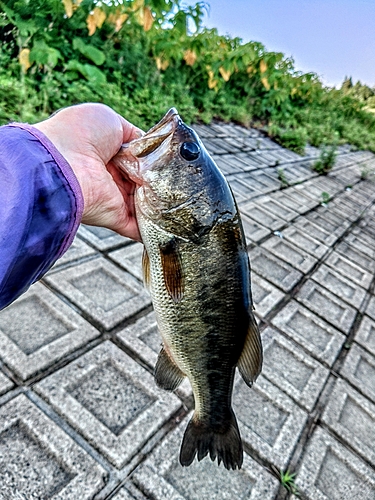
(225, 445)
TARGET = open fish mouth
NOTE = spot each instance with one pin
(155, 137)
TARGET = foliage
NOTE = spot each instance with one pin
(287, 480)
(326, 160)
(143, 56)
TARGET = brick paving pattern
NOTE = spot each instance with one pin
(80, 414)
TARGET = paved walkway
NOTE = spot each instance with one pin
(80, 414)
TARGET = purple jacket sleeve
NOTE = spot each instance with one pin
(41, 206)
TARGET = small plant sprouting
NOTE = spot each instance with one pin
(325, 198)
(287, 480)
(282, 178)
(326, 160)
(367, 174)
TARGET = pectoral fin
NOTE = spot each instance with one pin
(168, 376)
(250, 362)
(172, 270)
(146, 269)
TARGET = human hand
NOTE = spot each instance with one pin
(88, 136)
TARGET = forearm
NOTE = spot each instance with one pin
(41, 206)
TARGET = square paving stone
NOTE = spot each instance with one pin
(273, 269)
(359, 243)
(270, 204)
(315, 335)
(365, 335)
(111, 400)
(284, 199)
(295, 256)
(124, 494)
(130, 258)
(226, 166)
(314, 231)
(5, 384)
(330, 471)
(163, 478)
(241, 191)
(78, 250)
(359, 369)
(265, 295)
(38, 460)
(253, 231)
(305, 242)
(265, 218)
(340, 286)
(269, 421)
(102, 238)
(365, 238)
(370, 310)
(38, 329)
(352, 417)
(360, 259)
(291, 369)
(349, 269)
(329, 221)
(105, 292)
(328, 306)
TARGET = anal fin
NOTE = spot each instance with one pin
(251, 359)
(168, 376)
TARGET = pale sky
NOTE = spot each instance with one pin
(332, 38)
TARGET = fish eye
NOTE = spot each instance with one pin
(190, 151)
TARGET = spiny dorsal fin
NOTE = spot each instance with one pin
(250, 362)
(146, 269)
(168, 376)
(172, 270)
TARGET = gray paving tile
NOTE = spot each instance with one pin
(363, 246)
(315, 335)
(38, 460)
(253, 230)
(328, 306)
(102, 290)
(339, 285)
(330, 471)
(78, 250)
(295, 256)
(130, 258)
(329, 221)
(365, 335)
(274, 269)
(227, 165)
(349, 269)
(269, 204)
(163, 478)
(242, 192)
(262, 216)
(370, 310)
(352, 417)
(269, 421)
(5, 384)
(111, 400)
(101, 238)
(359, 369)
(291, 369)
(314, 231)
(357, 257)
(124, 494)
(265, 295)
(305, 242)
(364, 238)
(295, 200)
(38, 329)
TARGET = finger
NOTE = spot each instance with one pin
(130, 131)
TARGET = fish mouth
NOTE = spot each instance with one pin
(155, 137)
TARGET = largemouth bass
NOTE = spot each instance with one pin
(197, 270)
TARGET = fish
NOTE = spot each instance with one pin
(197, 269)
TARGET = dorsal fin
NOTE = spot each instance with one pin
(172, 269)
(250, 362)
